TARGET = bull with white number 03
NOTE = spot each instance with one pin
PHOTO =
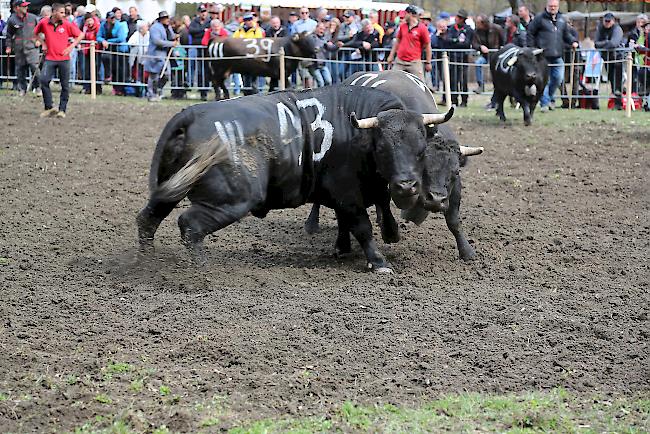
(346, 147)
(260, 58)
(444, 157)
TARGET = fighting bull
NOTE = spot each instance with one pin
(521, 73)
(343, 146)
(441, 188)
(258, 57)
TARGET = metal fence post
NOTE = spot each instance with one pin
(445, 75)
(282, 78)
(93, 70)
(628, 64)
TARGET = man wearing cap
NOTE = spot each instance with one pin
(609, 39)
(161, 40)
(550, 31)
(459, 37)
(23, 43)
(57, 31)
(373, 16)
(412, 39)
(249, 30)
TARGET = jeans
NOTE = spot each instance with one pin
(73, 65)
(479, 69)
(237, 83)
(49, 69)
(321, 75)
(555, 78)
(191, 70)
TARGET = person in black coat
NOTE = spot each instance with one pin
(459, 37)
(549, 31)
(609, 39)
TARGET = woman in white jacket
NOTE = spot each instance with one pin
(138, 42)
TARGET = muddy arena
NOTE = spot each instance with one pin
(275, 324)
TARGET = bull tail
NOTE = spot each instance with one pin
(169, 185)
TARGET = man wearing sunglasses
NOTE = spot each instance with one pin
(305, 23)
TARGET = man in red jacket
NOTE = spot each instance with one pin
(57, 31)
(413, 37)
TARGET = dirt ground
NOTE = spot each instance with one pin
(275, 325)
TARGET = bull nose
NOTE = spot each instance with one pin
(531, 76)
(439, 201)
(408, 185)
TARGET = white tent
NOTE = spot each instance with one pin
(148, 9)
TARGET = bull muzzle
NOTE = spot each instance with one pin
(436, 202)
(404, 193)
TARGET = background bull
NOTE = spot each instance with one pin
(298, 45)
(441, 190)
(521, 73)
(341, 146)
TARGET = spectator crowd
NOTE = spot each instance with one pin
(132, 53)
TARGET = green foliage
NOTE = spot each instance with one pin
(104, 399)
(164, 390)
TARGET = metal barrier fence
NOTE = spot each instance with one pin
(586, 74)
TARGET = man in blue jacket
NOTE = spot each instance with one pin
(549, 31)
(112, 37)
(161, 40)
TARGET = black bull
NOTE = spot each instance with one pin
(521, 73)
(258, 153)
(261, 57)
(441, 190)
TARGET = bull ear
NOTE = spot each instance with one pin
(437, 118)
(296, 37)
(538, 51)
(363, 123)
(470, 150)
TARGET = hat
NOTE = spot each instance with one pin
(201, 8)
(21, 3)
(248, 16)
(90, 8)
(110, 14)
(327, 18)
(410, 9)
(444, 15)
(401, 14)
(348, 13)
(163, 14)
(608, 16)
(426, 15)
(643, 17)
(293, 14)
(462, 13)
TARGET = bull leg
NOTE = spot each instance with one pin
(148, 221)
(452, 217)
(311, 225)
(361, 228)
(499, 99)
(386, 220)
(226, 92)
(200, 220)
(528, 119)
(342, 247)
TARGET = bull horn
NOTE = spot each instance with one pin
(538, 51)
(470, 150)
(363, 123)
(437, 118)
(512, 60)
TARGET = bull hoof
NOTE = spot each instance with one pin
(468, 255)
(145, 246)
(380, 269)
(312, 227)
(341, 254)
(390, 237)
(528, 122)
